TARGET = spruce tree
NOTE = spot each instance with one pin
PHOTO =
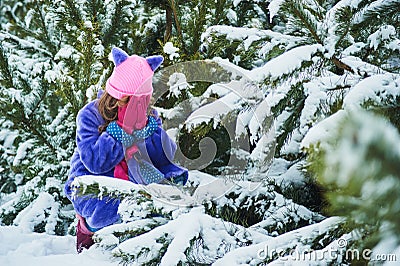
(314, 64)
(53, 60)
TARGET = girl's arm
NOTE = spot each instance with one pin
(99, 152)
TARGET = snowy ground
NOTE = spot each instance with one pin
(18, 248)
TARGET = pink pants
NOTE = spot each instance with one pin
(83, 235)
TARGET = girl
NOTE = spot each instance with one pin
(115, 137)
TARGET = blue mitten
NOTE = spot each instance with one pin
(128, 140)
(119, 134)
(161, 149)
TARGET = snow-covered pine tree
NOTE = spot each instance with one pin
(309, 58)
(33, 122)
(315, 64)
(358, 162)
(53, 60)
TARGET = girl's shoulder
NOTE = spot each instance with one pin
(91, 107)
(90, 112)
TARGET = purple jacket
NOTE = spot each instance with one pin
(98, 154)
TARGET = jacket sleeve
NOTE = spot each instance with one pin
(98, 213)
(99, 152)
(160, 147)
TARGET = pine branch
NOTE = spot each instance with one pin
(303, 17)
(219, 10)
(341, 65)
(28, 125)
(67, 17)
(375, 14)
(117, 24)
(5, 71)
(24, 44)
(294, 102)
(74, 15)
(343, 19)
(43, 89)
(21, 121)
(46, 40)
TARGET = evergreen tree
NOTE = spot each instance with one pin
(53, 60)
(357, 162)
(314, 64)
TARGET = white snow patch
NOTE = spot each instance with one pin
(273, 8)
(324, 130)
(18, 248)
(285, 63)
(385, 32)
(22, 151)
(249, 255)
(177, 83)
(373, 88)
(171, 50)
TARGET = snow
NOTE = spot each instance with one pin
(171, 50)
(8, 138)
(361, 67)
(177, 84)
(236, 2)
(274, 7)
(248, 255)
(373, 89)
(207, 188)
(180, 232)
(231, 16)
(310, 257)
(331, 24)
(355, 145)
(239, 92)
(386, 32)
(374, 7)
(22, 151)
(263, 152)
(286, 175)
(354, 48)
(258, 119)
(285, 63)
(277, 56)
(317, 91)
(324, 130)
(65, 52)
(246, 36)
(23, 248)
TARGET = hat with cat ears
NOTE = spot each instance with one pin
(132, 75)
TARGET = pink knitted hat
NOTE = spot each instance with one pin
(132, 75)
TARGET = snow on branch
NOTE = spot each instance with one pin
(376, 89)
(173, 242)
(286, 63)
(295, 239)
